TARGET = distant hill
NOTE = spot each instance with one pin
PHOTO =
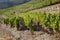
(8, 3)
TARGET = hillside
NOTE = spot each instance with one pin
(27, 22)
(31, 5)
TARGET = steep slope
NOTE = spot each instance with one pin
(31, 5)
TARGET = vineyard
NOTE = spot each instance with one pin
(35, 21)
(31, 5)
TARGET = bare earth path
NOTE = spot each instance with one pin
(50, 9)
(7, 33)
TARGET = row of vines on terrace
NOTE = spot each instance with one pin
(35, 21)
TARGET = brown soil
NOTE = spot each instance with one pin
(7, 33)
(50, 9)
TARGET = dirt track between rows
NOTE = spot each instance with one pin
(7, 33)
(49, 9)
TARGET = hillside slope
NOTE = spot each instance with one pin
(31, 5)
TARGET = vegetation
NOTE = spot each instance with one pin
(31, 20)
(31, 5)
(1, 20)
(34, 21)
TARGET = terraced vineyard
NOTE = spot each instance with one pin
(26, 21)
(30, 20)
(31, 5)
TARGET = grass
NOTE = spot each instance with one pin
(31, 5)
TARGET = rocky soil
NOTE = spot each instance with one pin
(7, 33)
(50, 9)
